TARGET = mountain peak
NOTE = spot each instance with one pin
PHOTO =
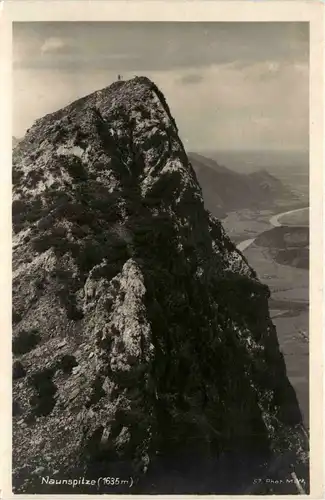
(132, 116)
(141, 337)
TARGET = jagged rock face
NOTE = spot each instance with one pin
(140, 333)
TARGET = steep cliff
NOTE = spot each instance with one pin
(142, 341)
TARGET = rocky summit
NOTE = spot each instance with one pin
(142, 344)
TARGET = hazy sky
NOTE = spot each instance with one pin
(229, 85)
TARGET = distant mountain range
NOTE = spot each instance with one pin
(225, 190)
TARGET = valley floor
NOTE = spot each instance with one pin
(289, 301)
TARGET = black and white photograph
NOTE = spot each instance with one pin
(160, 258)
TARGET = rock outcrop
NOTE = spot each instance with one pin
(142, 341)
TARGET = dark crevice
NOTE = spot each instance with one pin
(16, 408)
(16, 317)
(25, 341)
(43, 401)
(18, 370)
(67, 363)
(97, 392)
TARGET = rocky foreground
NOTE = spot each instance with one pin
(142, 342)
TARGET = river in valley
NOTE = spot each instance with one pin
(274, 222)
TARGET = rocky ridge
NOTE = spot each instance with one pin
(142, 341)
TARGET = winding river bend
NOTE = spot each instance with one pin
(274, 222)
